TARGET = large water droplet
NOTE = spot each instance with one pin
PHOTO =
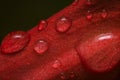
(41, 46)
(104, 13)
(56, 64)
(89, 15)
(63, 24)
(42, 25)
(14, 42)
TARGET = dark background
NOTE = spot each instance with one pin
(25, 14)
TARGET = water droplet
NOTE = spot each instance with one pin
(14, 42)
(89, 2)
(56, 64)
(42, 25)
(104, 13)
(62, 76)
(41, 46)
(63, 24)
(89, 15)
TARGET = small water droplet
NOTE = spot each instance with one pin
(89, 2)
(104, 13)
(56, 64)
(41, 46)
(42, 25)
(14, 42)
(63, 24)
(62, 76)
(89, 15)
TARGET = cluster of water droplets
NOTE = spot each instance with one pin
(18, 40)
(103, 14)
(89, 15)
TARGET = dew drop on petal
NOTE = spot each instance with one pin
(89, 15)
(63, 24)
(42, 25)
(14, 42)
(41, 46)
(56, 64)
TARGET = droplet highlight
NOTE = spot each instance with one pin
(41, 46)
(42, 25)
(63, 24)
(56, 64)
(104, 13)
(89, 15)
(14, 42)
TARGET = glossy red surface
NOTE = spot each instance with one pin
(88, 50)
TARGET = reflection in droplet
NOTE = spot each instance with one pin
(56, 64)
(42, 25)
(89, 15)
(105, 36)
(41, 46)
(63, 24)
(14, 42)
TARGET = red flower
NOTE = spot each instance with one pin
(81, 42)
